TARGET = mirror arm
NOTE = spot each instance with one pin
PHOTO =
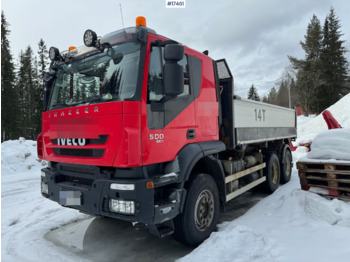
(161, 43)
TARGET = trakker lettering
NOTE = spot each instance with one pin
(72, 112)
(71, 141)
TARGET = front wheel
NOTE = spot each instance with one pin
(201, 211)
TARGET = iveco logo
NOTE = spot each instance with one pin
(76, 112)
(71, 141)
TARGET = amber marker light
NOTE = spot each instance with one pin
(140, 21)
(72, 48)
(150, 184)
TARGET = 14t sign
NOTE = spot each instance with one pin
(260, 115)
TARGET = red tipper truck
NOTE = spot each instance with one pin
(141, 128)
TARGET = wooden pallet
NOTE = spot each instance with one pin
(335, 177)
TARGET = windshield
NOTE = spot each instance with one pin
(103, 77)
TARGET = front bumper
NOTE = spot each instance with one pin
(94, 190)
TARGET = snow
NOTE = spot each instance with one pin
(315, 125)
(26, 216)
(288, 225)
(330, 145)
(19, 156)
(226, 245)
(170, 175)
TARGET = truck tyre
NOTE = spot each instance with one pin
(272, 173)
(286, 166)
(201, 211)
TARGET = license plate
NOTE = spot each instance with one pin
(70, 198)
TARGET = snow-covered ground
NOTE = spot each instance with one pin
(25, 215)
(289, 225)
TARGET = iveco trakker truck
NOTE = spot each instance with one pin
(141, 128)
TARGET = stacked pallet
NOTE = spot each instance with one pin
(334, 177)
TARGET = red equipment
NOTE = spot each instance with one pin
(332, 123)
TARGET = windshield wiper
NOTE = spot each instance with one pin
(95, 100)
(106, 97)
(59, 105)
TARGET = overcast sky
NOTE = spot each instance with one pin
(255, 36)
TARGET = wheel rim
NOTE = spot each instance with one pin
(274, 173)
(288, 167)
(204, 210)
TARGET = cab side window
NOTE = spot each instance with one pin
(155, 75)
(184, 64)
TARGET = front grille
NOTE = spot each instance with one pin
(78, 169)
(78, 152)
(79, 182)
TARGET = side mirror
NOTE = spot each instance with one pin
(173, 76)
(118, 58)
(174, 52)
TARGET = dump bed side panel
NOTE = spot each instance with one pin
(255, 122)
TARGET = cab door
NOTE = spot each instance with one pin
(170, 121)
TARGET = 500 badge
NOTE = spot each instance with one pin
(159, 138)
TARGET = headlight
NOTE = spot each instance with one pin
(44, 188)
(54, 54)
(122, 206)
(90, 38)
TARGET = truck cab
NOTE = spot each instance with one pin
(134, 124)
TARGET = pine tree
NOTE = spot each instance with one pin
(265, 99)
(9, 98)
(39, 94)
(334, 63)
(286, 93)
(309, 69)
(27, 86)
(283, 94)
(43, 57)
(253, 94)
(272, 96)
(321, 76)
(293, 93)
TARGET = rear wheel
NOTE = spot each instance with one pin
(201, 211)
(286, 166)
(272, 173)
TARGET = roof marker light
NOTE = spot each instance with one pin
(140, 21)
